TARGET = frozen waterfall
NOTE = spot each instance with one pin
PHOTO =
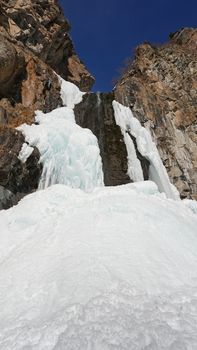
(70, 154)
(157, 172)
(114, 268)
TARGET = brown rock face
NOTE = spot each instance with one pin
(34, 43)
(42, 28)
(26, 84)
(16, 178)
(160, 87)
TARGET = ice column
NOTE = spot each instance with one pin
(157, 172)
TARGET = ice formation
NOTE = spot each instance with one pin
(111, 269)
(157, 172)
(70, 93)
(114, 268)
(25, 152)
(70, 154)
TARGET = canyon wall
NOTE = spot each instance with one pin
(160, 87)
(34, 45)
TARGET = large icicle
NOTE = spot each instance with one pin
(157, 172)
(70, 154)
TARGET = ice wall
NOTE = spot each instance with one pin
(157, 172)
(70, 154)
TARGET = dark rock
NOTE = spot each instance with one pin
(12, 70)
(96, 113)
(16, 178)
(145, 164)
(3, 116)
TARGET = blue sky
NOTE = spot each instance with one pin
(105, 32)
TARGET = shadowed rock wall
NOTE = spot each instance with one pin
(96, 113)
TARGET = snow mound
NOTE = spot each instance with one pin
(157, 172)
(112, 269)
(192, 204)
(70, 154)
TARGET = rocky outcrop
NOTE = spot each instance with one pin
(160, 86)
(16, 178)
(26, 84)
(40, 26)
(96, 113)
(34, 46)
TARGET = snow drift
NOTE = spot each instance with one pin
(100, 269)
(111, 269)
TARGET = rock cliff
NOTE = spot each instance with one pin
(160, 86)
(40, 26)
(34, 44)
(96, 113)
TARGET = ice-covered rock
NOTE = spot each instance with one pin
(147, 148)
(70, 154)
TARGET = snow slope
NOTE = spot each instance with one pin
(112, 269)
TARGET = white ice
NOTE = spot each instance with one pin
(25, 152)
(70, 93)
(70, 154)
(112, 269)
(157, 172)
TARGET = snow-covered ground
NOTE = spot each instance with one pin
(112, 269)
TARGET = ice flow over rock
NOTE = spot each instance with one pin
(70, 154)
(112, 269)
(157, 172)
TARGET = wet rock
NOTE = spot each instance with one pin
(96, 113)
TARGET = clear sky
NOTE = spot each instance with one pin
(105, 32)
